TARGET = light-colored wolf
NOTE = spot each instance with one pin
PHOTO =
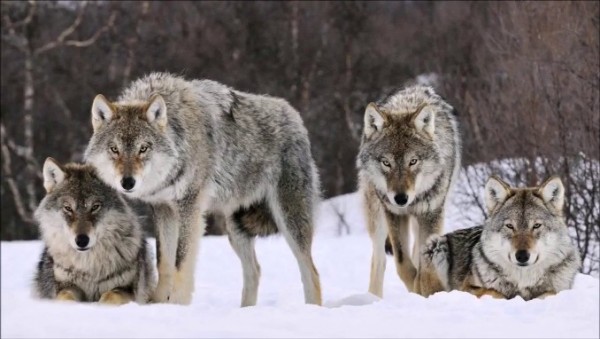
(94, 246)
(191, 147)
(523, 249)
(408, 159)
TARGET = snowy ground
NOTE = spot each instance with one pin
(349, 311)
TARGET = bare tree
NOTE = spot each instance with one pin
(18, 34)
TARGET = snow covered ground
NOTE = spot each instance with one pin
(349, 311)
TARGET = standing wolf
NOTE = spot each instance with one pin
(94, 247)
(523, 249)
(408, 159)
(190, 147)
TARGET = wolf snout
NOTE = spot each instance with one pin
(128, 183)
(401, 199)
(522, 257)
(82, 241)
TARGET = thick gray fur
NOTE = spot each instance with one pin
(117, 260)
(483, 258)
(412, 124)
(217, 150)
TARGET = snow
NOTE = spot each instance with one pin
(348, 311)
(342, 254)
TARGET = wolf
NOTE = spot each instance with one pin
(191, 147)
(94, 247)
(407, 162)
(523, 249)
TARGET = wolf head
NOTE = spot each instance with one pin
(129, 146)
(77, 207)
(525, 225)
(398, 152)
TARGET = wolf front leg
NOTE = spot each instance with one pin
(398, 230)
(191, 228)
(432, 222)
(167, 233)
(378, 232)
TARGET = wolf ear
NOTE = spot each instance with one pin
(553, 192)
(496, 192)
(374, 119)
(102, 111)
(53, 174)
(157, 111)
(424, 120)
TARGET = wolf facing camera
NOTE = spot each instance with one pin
(94, 246)
(407, 162)
(523, 249)
(190, 147)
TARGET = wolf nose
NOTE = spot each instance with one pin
(82, 240)
(401, 199)
(522, 256)
(128, 183)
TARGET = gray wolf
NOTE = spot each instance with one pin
(523, 248)
(94, 246)
(408, 159)
(190, 147)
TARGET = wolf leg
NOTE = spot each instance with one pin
(293, 217)
(192, 225)
(167, 232)
(243, 245)
(434, 265)
(70, 294)
(428, 223)
(398, 230)
(378, 233)
(116, 297)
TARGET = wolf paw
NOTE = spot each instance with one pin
(114, 298)
(66, 295)
(435, 249)
(161, 294)
(180, 298)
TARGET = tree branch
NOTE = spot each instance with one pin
(25, 215)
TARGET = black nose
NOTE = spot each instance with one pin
(522, 256)
(128, 183)
(401, 199)
(82, 240)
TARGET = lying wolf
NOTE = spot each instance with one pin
(523, 249)
(94, 248)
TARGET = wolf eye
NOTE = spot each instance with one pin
(143, 149)
(413, 162)
(68, 209)
(509, 226)
(385, 162)
(537, 225)
(114, 150)
(95, 207)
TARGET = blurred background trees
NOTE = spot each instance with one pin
(524, 77)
